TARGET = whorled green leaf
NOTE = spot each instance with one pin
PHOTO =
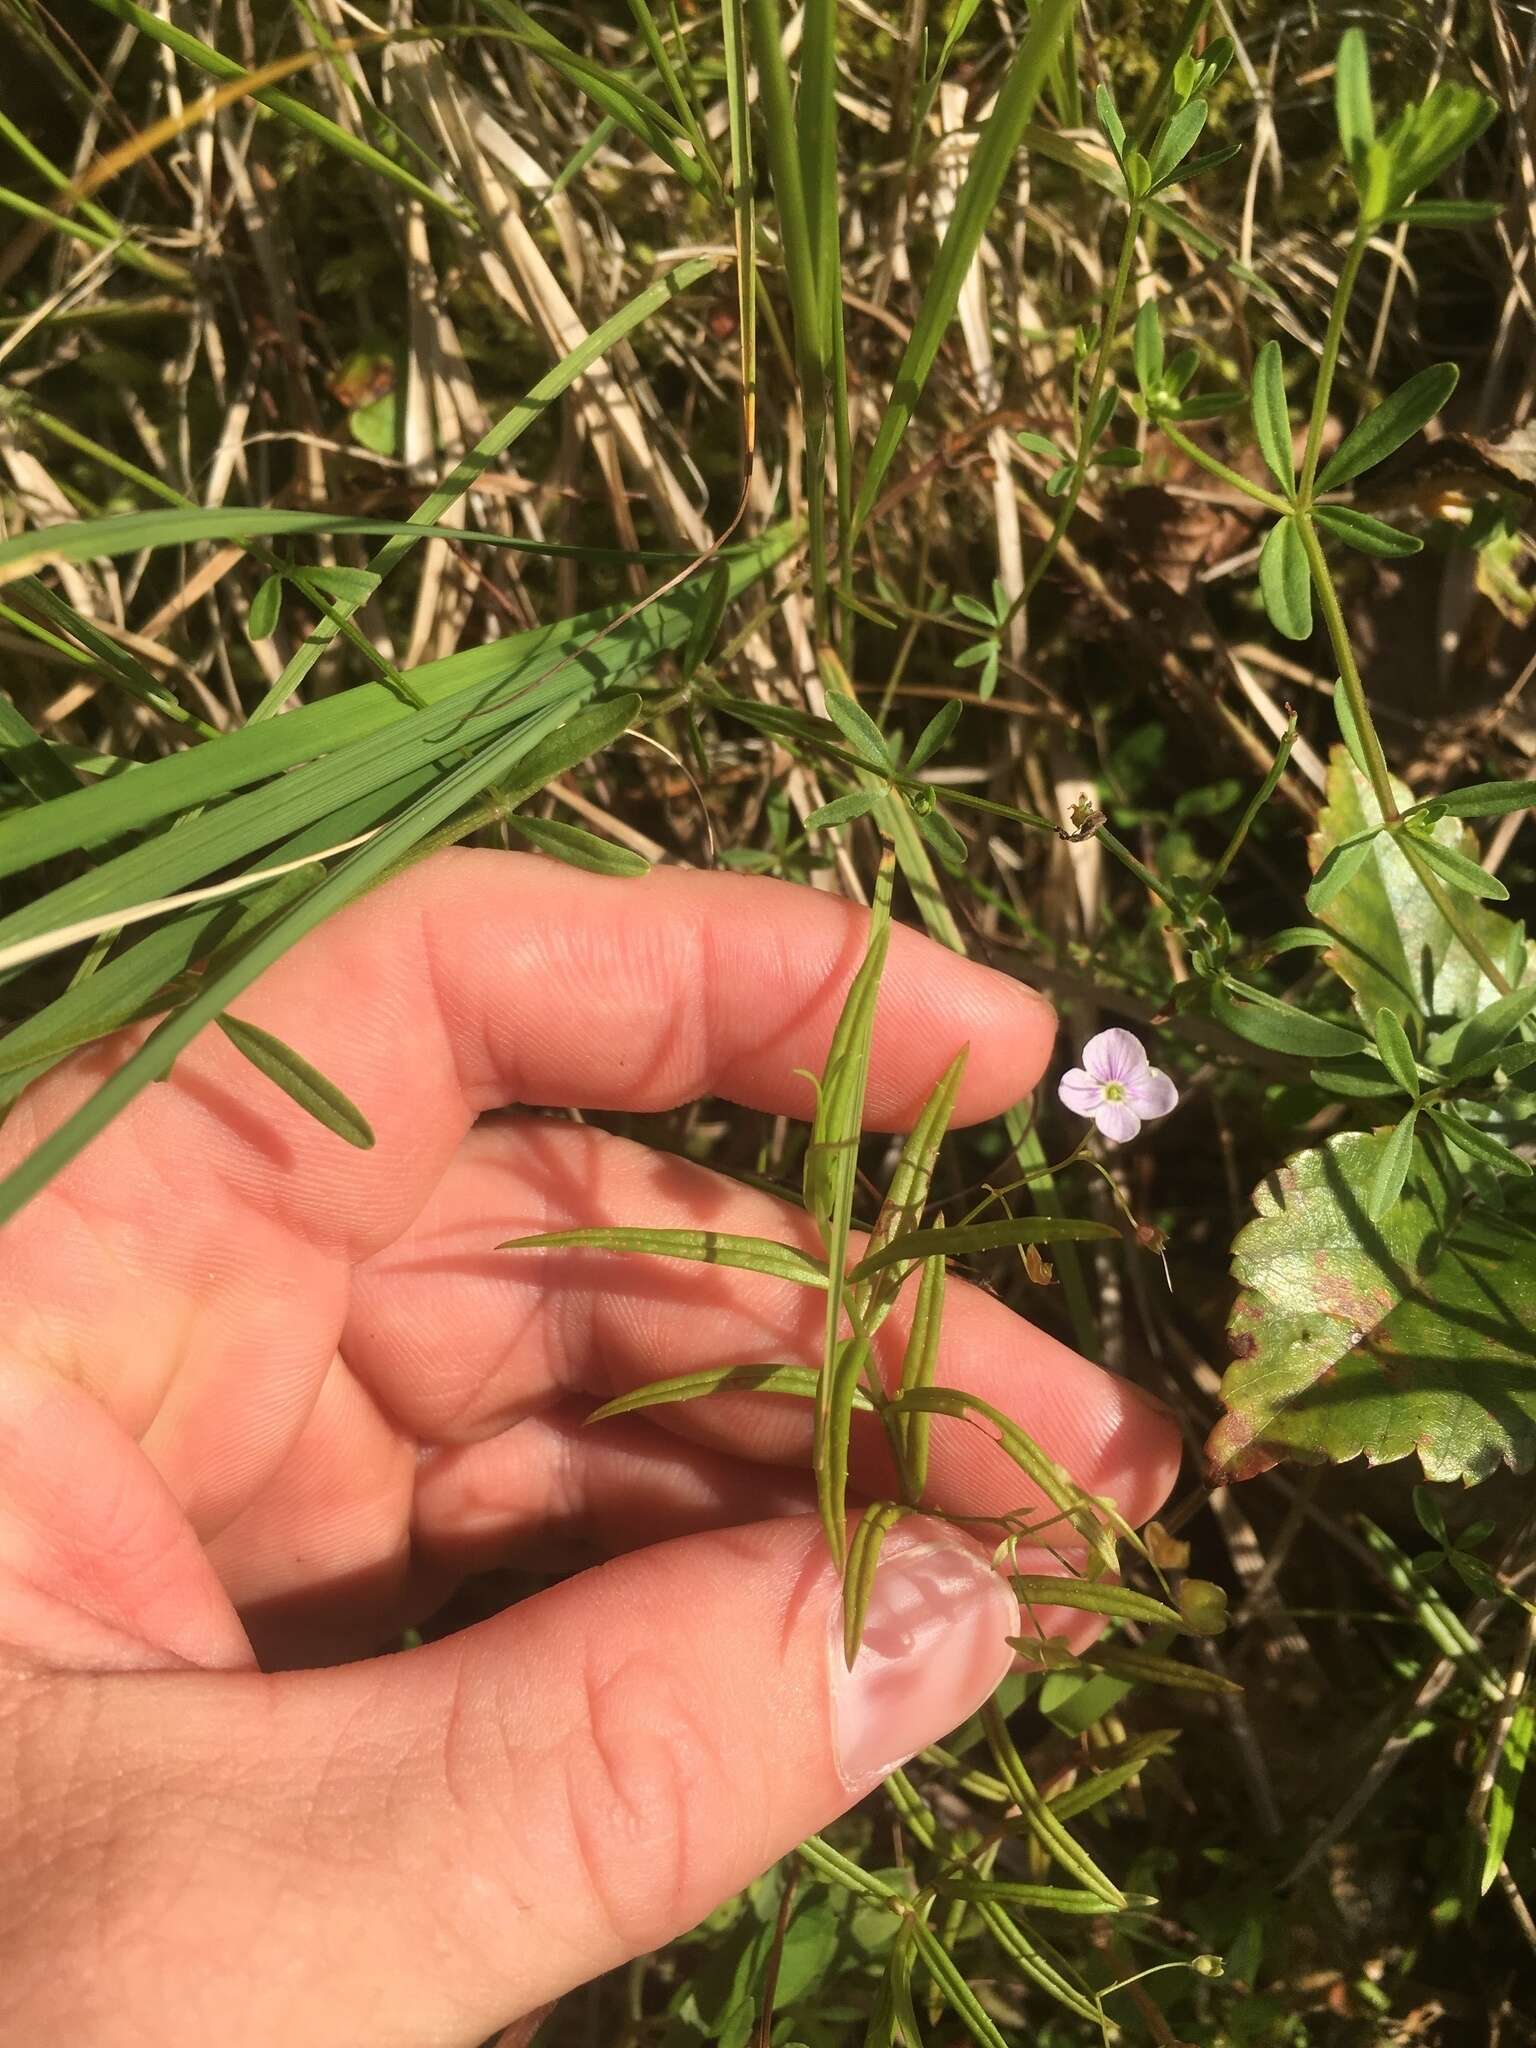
(579, 848)
(1491, 1027)
(1397, 1055)
(859, 730)
(935, 735)
(1448, 213)
(798, 1381)
(705, 629)
(299, 1081)
(1110, 122)
(1427, 138)
(1034, 1898)
(1146, 1667)
(944, 839)
(1412, 1334)
(1285, 582)
(702, 1247)
(1487, 799)
(1370, 536)
(1094, 1596)
(1040, 1818)
(1460, 869)
(906, 1194)
(1392, 946)
(1476, 1142)
(919, 1366)
(1179, 138)
(1338, 865)
(1147, 348)
(1384, 429)
(1272, 417)
(843, 810)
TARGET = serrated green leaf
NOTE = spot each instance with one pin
(799, 1381)
(1396, 1053)
(1352, 96)
(1285, 582)
(702, 1247)
(1370, 536)
(578, 848)
(1416, 1333)
(1280, 1027)
(299, 1081)
(1384, 430)
(1391, 1166)
(1272, 418)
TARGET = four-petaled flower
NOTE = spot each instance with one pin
(1117, 1086)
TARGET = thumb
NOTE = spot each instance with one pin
(429, 1845)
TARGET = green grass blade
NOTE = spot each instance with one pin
(994, 157)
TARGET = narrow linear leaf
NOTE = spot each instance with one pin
(1477, 1142)
(1396, 420)
(1280, 1027)
(1285, 582)
(1392, 1168)
(1458, 870)
(703, 1247)
(1272, 416)
(1514, 1754)
(1488, 1030)
(1179, 138)
(919, 1365)
(1448, 213)
(1370, 536)
(1146, 1667)
(1396, 1052)
(799, 1381)
(842, 810)
(299, 1081)
(266, 605)
(1340, 863)
(1110, 122)
(963, 1238)
(1094, 1596)
(1043, 1823)
(875, 1524)
(1352, 95)
(858, 729)
(1487, 800)
(579, 848)
(1037, 1898)
(935, 735)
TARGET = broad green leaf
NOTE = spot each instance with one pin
(1352, 96)
(1396, 420)
(994, 159)
(1487, 799)
(1285, 582)
(1280, 1027)
(1370, 536)
(301, 1082)
(798, 1381)
(579, 848)
(1147, 349)
(1396, 1052)
(704, 1247)
(1272, 417)
(1392, 946)
(860, 731)
(964, 1238)
(842, 810)
(1392, 1165)
(1459, 869)
(1179, 138)
(1352, 1338)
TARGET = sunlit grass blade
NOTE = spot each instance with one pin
(962, 1238)
(799, 1381)
(701, 1247)
(299, 1081)
(1040, 1818)
(995, 155)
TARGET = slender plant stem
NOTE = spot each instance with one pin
(1330, 360)
(1217, 468)
(1107, 335)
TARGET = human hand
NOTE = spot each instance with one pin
(260, 1389)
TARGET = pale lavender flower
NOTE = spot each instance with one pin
(1117, 1086)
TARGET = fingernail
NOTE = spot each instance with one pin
(934, 1648)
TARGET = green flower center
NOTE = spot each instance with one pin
(1114, 1091)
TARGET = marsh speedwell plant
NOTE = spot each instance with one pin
(766, 606)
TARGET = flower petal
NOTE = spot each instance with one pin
(1152, 1093)
(1115, 1055)
(1117, 1121)
(1080, 1092)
